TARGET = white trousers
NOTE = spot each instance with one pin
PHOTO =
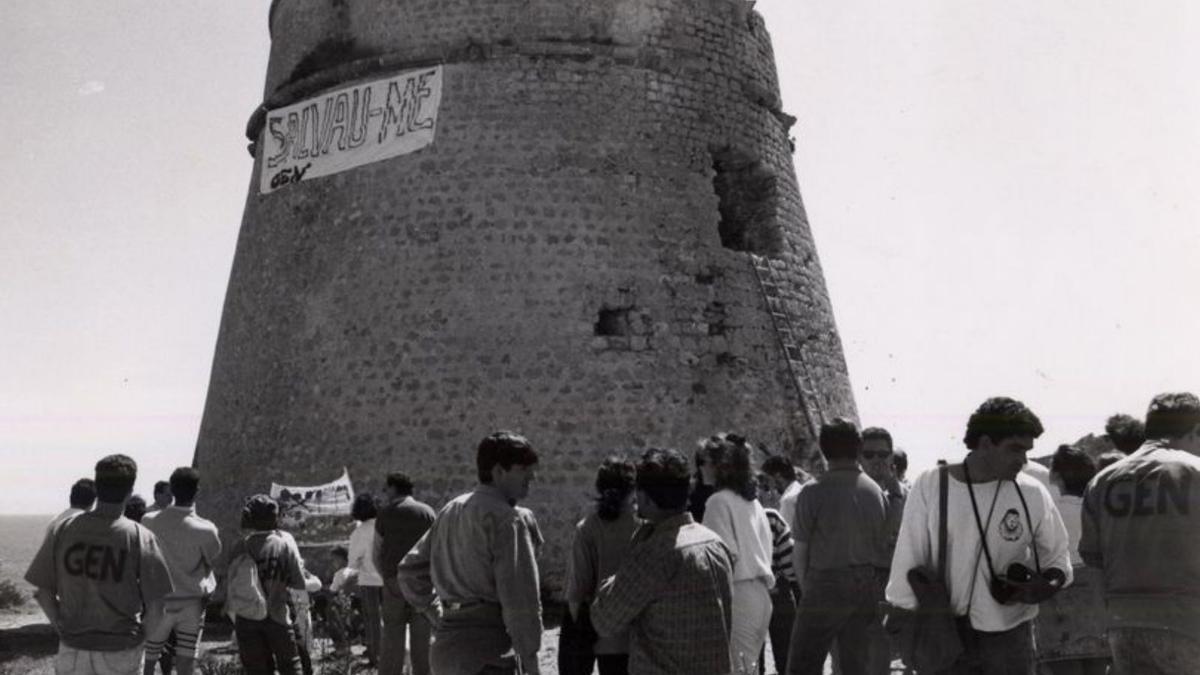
(751, 619)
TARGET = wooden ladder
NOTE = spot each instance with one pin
(793, 351)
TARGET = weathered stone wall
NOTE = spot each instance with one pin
(552, 264)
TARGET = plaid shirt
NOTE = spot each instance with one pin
(674, 592)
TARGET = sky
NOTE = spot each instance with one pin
(1002, 196)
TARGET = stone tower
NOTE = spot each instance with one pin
(573, 218)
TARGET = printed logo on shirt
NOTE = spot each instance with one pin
(1011, 528)
(1152, 495)
(98, 562)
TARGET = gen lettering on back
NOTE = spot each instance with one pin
(98, 562)
(1156, 494)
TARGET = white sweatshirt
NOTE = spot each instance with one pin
(1008, 539)
(744, 528)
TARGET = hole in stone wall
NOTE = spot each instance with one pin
(613, 322)
(715, 316)
(748, 196)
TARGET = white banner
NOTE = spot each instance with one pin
(350, 127)
(297, 503)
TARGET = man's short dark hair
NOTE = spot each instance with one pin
(505, 449)
(1074, 467)
(999, 418)
(135, 508)
(779, 467)
(1126, 432)
(900, 461)
(364, 507)
(839, 439)
(1172, 415)
(260, 512)
(877, 434)
(400, 482)
(83, 494)
(162, 486)
(115, 476)
(664, 475)
(185, 482)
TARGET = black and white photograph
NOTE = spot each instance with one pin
(577, 337)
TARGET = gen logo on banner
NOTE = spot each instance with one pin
(349, 127)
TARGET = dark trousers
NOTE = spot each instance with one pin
(1008, 652)
(400, 617)
(265, 646)
(841, 604)
(576, 649)
(613, 664)
(371, 601)
(783, 618)
(576, 646)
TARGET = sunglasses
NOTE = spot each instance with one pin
(876, 454)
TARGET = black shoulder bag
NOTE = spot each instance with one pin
(927, 637)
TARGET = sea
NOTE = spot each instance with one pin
(20, 537)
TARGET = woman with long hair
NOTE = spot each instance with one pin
(602, 540)
(370, 583)
(734, 513)
(702, 485)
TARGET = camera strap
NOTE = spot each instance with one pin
(1032, 539)
(983, 531)
(978, 522)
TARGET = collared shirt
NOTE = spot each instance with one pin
(190, 545)
(842, 518)
(674, 593)
(480, 549)
(787, 503)
(1141, 521)
(398, 527)
(895, 515)
(103, 568)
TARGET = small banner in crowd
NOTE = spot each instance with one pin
(331, 499)
(349, 127)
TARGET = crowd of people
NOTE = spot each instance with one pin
(682, 567)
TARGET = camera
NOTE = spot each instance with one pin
(1021, 584)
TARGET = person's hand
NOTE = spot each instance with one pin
(888, 479)
(433, 614)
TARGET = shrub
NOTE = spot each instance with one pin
(10, 596)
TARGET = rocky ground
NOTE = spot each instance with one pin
(28, 644)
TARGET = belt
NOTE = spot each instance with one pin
(466, 604)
